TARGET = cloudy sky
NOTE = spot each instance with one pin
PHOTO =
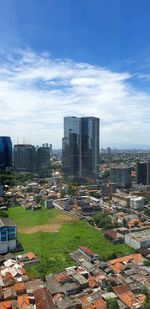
(75, 58)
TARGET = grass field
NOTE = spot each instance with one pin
(53, 248)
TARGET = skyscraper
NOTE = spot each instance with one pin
(81, 147)
(143, 173)
(121, 176)
(24, 157)
(43, 161)
(5, 152)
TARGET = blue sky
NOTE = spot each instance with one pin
(75, 57)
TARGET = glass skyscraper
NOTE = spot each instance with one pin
(24, 157)
(43, 161)
(5, 152)
(80, 149)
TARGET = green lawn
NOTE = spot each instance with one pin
(53, 248)
(28, 218)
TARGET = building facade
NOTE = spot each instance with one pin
(138, 240)
(143, 173)
(80, 149)
(24, 157)
(43, 161)
(5, 152)
(137, 203)
(7, 235)
(121, 176)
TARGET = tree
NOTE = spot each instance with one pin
(112, 304)
(144, 290)
(72, 190)
(146, 304)
(102, 220)
(136, 223)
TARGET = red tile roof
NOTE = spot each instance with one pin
(117, 264)
(43, 299)
(87, 251)
(6, 304)
(20, 286)
(62, 277)
(31, 256)
(96, 304)
(23, 301)
(111, 233)
(121, 289)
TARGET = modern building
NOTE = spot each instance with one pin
(43, 161)
(5, 152)
(107, 189)
(137, 203)
(80, 149)
(143, 173)
(138, 240)
(121, 176)
(7, 235)
(24, 157)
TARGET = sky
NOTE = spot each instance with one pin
(75, 58)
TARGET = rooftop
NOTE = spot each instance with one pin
(6, 222)
(141, 235)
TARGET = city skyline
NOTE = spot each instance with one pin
(63, 58)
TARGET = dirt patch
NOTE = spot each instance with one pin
(51, 226)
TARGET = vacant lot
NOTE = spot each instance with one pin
(42, 220)
(53, 248)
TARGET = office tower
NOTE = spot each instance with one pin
(5, 152)
(80, 150)
(143, 173)
(121, 176)
(43, 161)
(48, 146)
(24, 157)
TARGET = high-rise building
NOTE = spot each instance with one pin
(143, 173)
(24, 157)
(43, 161)
(80, 149)
(5, 152)
(121, 176)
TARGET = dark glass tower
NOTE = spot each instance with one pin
(81, 147)
(5, 152)
(24, 157)
(43, 161)
(143, 173)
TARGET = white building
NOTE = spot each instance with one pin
(7, 235)
(137, 203)
(138, 240)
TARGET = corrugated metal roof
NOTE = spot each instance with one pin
(43, 299)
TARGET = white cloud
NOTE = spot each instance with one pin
(37, 91)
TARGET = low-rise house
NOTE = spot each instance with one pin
(9, 294)
(71, 288)
(53, 285)
(81, 280)
(20, 288)
(114, 236)
(33, 285)
(66, 303)
(62, 278)
(43, 299)
(23, 301)
(86, 251)
(27, 258)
